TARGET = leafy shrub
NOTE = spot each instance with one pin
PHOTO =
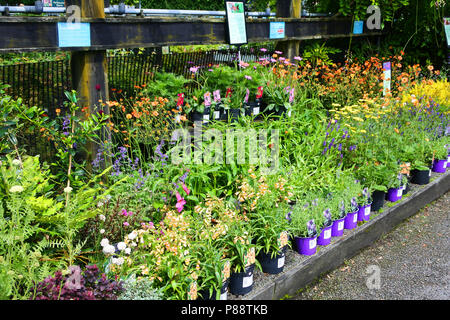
(91, 285)
(139, 289)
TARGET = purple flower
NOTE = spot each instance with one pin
(311, 228)
(248, 77)
(354, 204)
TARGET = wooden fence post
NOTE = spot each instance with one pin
(90, 74)
(289, 9)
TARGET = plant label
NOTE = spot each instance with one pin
(327, 234)
(355, 218)
(281, 262)
(429, 173)
(205, 118)
(448, 159)
(399, 192)
(445, 164)
(247, 281)
(341, 225)
(312, 243)
(255, 111)
(224, 296)
(216, 114)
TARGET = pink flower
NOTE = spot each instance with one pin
(298, 58)
(186, 189)
(124, 212)
(180, 202)
(126, 224)
(263, 49)
(278, 52)
(193, 69)
(248, 77)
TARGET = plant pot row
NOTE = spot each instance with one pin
(241, 283)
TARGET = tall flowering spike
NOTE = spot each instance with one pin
(327, 216)
(185, 188)
(354, 203)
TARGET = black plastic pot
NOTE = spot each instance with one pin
(378, 198)
(420, 177)
(235, 113)
(271, 265)
(205, 295)
(242, 282)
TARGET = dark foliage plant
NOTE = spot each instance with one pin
(87, 285)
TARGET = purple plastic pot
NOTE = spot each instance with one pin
(439, 166)
(306, 246)
(364, 213)
(337, 228)
(325, 236)
(351, 220)
(394, 194)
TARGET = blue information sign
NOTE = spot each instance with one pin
(74, 34)
(358, 27)
(277, 30)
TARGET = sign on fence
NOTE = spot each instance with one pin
(235, 14)
(54, 3)
(447, 29)
(358, 27)
(277, 30)
(74, 34)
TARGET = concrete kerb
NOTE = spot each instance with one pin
(330, 257)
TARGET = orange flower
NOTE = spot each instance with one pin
(155, 113)
(431, 68)
(129, 116)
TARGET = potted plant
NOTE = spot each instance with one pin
(395, 190)
(270, 227)
(440, 160)
(327, 222)
(214, 273)
(364, 202)
(351, 219)
(303, 229)
(338, 216)
(242, 254)
(196, 108)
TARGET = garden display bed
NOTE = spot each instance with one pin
(300, 270)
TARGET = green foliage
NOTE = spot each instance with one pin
(139, 289)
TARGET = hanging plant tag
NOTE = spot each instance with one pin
(207, 98)
(260, 93)
(216, 95)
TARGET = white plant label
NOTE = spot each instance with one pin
(205, 118)
(429, 174)
(312, 243)
(355, 218)
(399, 192)
(224, 296)
(367, 211)
(341, 225)
(445, 164)
(216, 114)
(247, 281)
(281, 262)
(448, 159)
(255, 111)
(327, 234)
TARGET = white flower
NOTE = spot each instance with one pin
(114, 260)
(68, 189)
(16, 162)
(109, 249)
(128, 250)
(15, 189)
(121, 246)
(119, 261)
(104, 242)
(102, 231)
(132, 235)
(102, 217)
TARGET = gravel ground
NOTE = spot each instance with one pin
(413, 263)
